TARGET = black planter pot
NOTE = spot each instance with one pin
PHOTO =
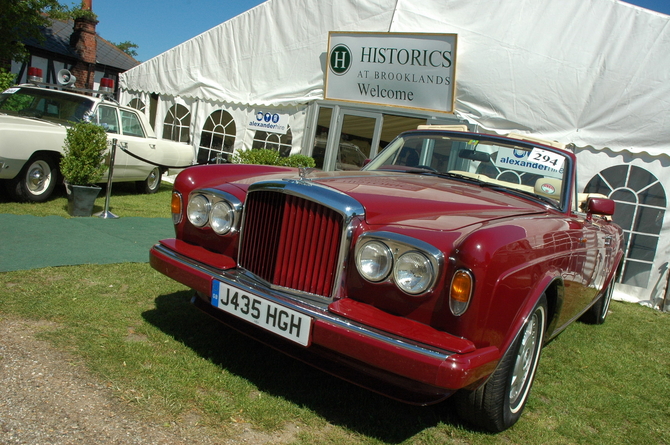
(80, 199)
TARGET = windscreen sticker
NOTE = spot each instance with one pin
(11, 90)
(539, 162)
(547, 158)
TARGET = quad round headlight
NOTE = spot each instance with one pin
(374, 261)
(413, 273)
(222, 218)
(198, 210)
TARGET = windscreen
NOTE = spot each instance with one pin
(51, 105)
(520, 167)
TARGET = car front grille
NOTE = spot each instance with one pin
(291, 242)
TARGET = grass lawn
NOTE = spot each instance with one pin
(136, 331)
(124, 201)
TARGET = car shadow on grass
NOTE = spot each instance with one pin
(279, 375)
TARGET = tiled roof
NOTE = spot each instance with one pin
(57, 40)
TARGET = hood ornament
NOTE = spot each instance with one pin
(303, 172)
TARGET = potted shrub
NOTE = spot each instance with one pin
(83, 166)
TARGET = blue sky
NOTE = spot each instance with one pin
(158, 26)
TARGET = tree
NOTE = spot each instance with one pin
(127, 47)
(6, 79)
(21, 20)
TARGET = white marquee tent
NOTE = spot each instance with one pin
(594, 73)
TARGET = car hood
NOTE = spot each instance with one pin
(426, 201)
(26, 122)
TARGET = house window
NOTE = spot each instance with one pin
(274, 141)
(137, 104)
(217, 138)
(640, 209)
(177, 123)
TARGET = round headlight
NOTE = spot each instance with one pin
(374, 261)
(222, 217)
(413, 273)
(198, 210)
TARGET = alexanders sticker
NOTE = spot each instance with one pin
(539, 162)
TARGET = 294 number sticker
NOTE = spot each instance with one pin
(547, 158)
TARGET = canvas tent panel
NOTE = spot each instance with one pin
(567, 69)
(269, 55)
(638, 185)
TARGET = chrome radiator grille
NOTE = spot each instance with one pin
(291, 242)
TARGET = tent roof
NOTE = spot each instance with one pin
(589, 72)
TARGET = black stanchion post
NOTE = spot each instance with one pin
(106, 214)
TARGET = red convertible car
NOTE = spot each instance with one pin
(441, 268)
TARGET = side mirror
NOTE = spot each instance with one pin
(599, 206)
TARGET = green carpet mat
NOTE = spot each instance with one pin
(31, 242)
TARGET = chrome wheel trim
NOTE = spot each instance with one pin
(38, 177)
(526, 359)
(607, 299)
(153, 180)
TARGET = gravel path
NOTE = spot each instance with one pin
(46, 397)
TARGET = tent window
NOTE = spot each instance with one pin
(177, 123)
(640, 209)
(137, 104)
(217, 138)
(274, 141)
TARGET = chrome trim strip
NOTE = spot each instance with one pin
(242, 281)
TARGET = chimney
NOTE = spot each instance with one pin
(83, 40)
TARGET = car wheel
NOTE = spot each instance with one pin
(151, 184)
(598, 312)
(36, 181)
(498, 404)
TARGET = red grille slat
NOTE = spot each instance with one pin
(291, 242)
(316, 273)
(308, 266)
(266, 213)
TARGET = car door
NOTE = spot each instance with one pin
(583, 277)
(135, 140)
(108, 117)
(132, 143)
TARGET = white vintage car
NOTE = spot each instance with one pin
(33, 122)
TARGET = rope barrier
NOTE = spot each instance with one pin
(151, 162)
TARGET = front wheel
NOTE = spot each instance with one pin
(498, 404)
(36, 181)
(151, 184)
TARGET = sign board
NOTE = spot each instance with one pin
(396, 69)
(269, 121)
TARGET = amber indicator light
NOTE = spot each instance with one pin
(461, 287)
(176, 207)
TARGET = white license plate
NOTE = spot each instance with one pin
(262, 312)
